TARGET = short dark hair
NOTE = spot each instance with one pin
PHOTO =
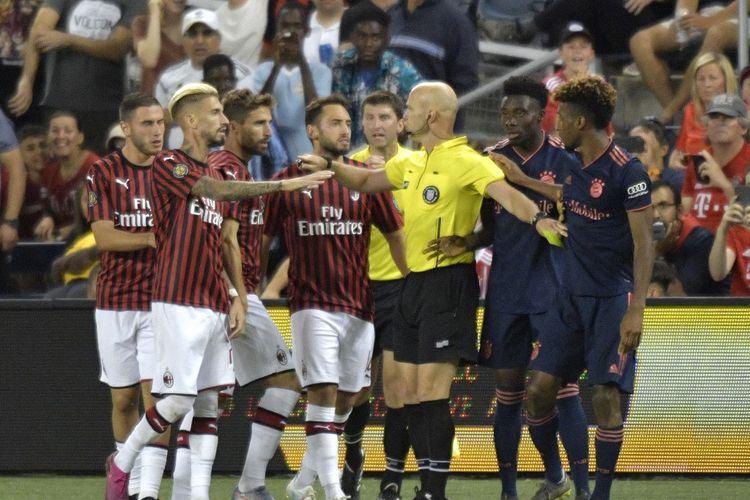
(663, 273)
(524, 85)
(592, 96)
(61, 113)
(239, 103)
(386, 98)
(293, 5)
(365, 12)
(315, 108)
(675, 192)
(655, 127)
(30, 130)
(133, 101)
(217, 61)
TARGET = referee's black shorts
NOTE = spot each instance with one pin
(436, 318)
(385, 296)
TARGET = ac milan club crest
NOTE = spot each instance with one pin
(168, 379)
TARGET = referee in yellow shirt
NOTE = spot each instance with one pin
(443, 187)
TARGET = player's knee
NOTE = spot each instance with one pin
(541, 396)
(606, 403)
(206, 404)
(286, 380)
(125, 400)
(174, 407)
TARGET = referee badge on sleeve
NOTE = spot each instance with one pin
(430, 195)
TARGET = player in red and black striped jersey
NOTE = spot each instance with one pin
(190, 302)
(327, 233)
(261, 354)
(119, 199)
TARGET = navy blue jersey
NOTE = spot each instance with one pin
(597, 197)
(523, 276)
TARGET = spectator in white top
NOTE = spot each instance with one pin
(242, 24)
(322, 40)
(200, 39)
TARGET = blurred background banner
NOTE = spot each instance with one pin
(688, 414)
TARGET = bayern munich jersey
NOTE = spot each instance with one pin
(120, 191)
(327, 232)
(189, 266)
(249, 213)
(598, 260)
(524, 275)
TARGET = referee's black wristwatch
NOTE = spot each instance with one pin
(539, 216)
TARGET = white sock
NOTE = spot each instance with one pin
(324, 446)
(134, 482)
(153, 460)
(265, 434)
(202, 454)
(307, 471)
(181, 472)
(140, 436)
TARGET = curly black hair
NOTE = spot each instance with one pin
(592, 96)
(524, 85)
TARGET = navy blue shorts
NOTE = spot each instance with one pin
(588, 335)
(507, 339)
(385, 296)
(437, 316)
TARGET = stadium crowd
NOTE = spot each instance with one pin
(123, 119)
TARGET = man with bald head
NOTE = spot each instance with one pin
(443, 187)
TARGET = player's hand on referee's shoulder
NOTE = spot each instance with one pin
(446, 246)
(512, 171)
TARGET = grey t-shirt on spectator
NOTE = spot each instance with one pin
(77, 81)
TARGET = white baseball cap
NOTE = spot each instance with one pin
(204, 16)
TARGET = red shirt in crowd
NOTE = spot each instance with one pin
(59, 194)
(738, 240)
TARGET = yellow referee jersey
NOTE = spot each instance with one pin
(442, 194)
(382, 267)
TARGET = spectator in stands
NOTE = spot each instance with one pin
(744, 85)
(322, 40)
(12, 185)
(686, 245)
(711, 74)
(577, 54)
(158, 39)
(730, 253)
(367, 66)
(33, 144)
(70, 273)
(664, 282)
(709, 183)
(292, 81)
(200, 39)
(655, 152)
(84, 61)
(218, 70)
(242, 24)
(15, 23)
(439, 39)
(612, 22)
(62, 176)
(352, 13)
(652, 46)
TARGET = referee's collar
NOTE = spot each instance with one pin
(451, 143)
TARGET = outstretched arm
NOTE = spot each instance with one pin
(242, 190)
(364, 180)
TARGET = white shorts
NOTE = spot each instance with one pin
(261, 351)
(332, 348)
(126, 347)
(193, 352)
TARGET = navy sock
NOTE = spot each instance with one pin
(574, 434)
(418, 433)
(441, 431)
(353, 430)
(395, 445)
(543, 433)
(608, 444)
(507, 434)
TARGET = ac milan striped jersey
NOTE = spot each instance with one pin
(327, 232)
(189, 262)
(120, 191)
(249, 213)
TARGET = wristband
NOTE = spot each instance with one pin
(10, 222)
(329, 164)
(539, 216)
(233, 293)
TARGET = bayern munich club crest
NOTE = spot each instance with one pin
(548, 177)
(281, 356)
(430, 195)
(180, 170)
(168, 379)
(597, 188)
